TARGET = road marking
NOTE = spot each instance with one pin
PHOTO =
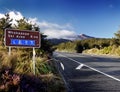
(66, 84)
(79, 67)
(92, 68)
(62, 65)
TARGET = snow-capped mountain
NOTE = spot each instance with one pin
(82, 37)
(77, 37)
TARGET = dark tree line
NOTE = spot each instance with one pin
(81, 45)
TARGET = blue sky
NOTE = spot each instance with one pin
(98, 18)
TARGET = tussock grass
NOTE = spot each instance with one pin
(20, 62)
(110, 50)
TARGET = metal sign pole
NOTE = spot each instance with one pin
(9, 53)
(34, 60)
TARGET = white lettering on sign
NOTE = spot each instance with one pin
(26, 42)
(31, 36)
(19, 42)
(10, 36)
(19, 33)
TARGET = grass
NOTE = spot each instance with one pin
(20, 73)
(110, 50)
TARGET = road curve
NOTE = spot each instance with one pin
(86, 73)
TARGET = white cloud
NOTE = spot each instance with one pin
(52, 30)
(14, 15)
(56, 33)
(2, 15)
(45, 24)
(33, 21)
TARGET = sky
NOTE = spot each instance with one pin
(67, 18)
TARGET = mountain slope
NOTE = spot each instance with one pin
(83, 36)
(56, 41)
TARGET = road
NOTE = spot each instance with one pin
(89, 73)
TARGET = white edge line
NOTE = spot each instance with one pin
(92, 68)
(62, 65)
(62, 76)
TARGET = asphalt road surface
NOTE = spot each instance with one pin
(89, 73)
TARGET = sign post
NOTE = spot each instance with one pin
(34, 60)
(9, 53)
(23, 38)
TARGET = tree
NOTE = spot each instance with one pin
(117, 34)
(5, 22)
(115, 42)
(23, 24)
(79, 48)
(46, 46)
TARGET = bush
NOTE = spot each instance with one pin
(106, 50)
(117, 51)
(16, 74)
(11, 82)
(91, 51)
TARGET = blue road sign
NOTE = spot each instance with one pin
(23, 42)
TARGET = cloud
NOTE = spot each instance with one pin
(52, 30)
(45, 24)
(57, 33)
(14, 15)
(2, 15)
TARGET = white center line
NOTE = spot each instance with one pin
(79, 67)
(92, 68)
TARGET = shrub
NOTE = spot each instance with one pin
(91, 51)
(106, 50)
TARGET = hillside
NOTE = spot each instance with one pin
(56, 41)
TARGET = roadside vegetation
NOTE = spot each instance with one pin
(109, 46)
(16, 70)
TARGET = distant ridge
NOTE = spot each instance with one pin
(56, 41)
(83, 36)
